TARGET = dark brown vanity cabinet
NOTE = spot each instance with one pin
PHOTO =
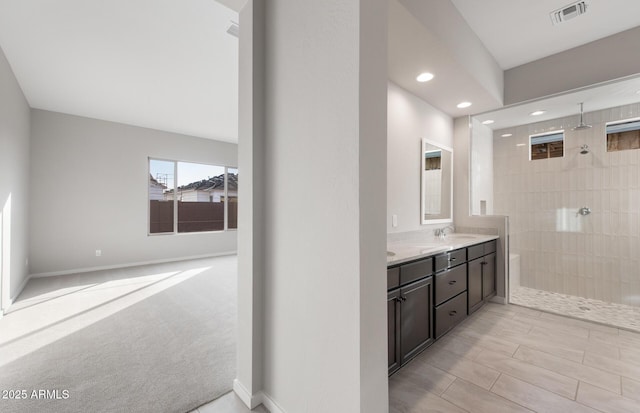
(429, 296)
(481, 274)
(409, 313)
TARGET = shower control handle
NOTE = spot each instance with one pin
(584, 211)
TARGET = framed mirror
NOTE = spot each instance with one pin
(436, 183)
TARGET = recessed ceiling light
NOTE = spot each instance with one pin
(424, 77)
(463, 105)
(521, 144)
(488, 122)
(506, 135)
(537, 112)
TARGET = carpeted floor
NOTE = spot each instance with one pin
(158, 338)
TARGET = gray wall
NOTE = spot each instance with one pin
(89, 191)
(613, 57)
(14, 183)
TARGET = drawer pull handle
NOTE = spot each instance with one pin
(452, 282)
(452, 313)
(452, 258)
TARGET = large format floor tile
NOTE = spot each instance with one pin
(514, 359)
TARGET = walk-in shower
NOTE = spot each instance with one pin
(574, 214)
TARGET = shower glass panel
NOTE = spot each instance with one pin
(574, 220)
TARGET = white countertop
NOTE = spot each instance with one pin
(404, 251)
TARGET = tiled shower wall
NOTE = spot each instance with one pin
(594, 256)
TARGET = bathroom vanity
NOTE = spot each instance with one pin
(432, 286)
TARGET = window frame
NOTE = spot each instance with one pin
(614, 123)
(175, 198)
(540, 135)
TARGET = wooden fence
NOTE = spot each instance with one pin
(192, 216)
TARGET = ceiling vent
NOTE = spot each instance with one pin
(568, 12)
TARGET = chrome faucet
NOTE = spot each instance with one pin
(442, 232)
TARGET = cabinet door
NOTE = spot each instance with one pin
(416, 326)
(474, 285)
(393, 326)
(489, 276)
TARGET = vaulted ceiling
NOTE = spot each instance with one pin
(161, 64)
(171, 65)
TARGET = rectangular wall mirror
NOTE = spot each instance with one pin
(437, 183)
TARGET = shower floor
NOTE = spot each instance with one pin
(616, 315)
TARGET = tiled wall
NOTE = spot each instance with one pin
(594, 256)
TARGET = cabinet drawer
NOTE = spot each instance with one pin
(490, 247)
(451, 259)
(449, 314)
(393, 278)
(450, 283)
(416, 270)
(475, 251)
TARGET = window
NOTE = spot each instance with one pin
(548, 145)
(624, 135)
(191, 197)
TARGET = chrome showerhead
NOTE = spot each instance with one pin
(584, 149)
(582, 125)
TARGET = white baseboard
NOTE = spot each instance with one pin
(13, 298)
(254, 400)
(270, 404)
(499, 300)
(247, 398)
(129, 264)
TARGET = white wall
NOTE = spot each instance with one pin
(89, 181)
(249, 381)
(410, 119)
(443, 19)
(14, 183)
(481, 168)
(489, 224)
(324, 287)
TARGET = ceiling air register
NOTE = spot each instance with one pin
(568, 12)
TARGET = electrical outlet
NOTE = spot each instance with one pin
(394, 220)
(98, 253)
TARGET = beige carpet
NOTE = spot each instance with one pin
(157, 338)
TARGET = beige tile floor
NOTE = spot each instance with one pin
(515, 359)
